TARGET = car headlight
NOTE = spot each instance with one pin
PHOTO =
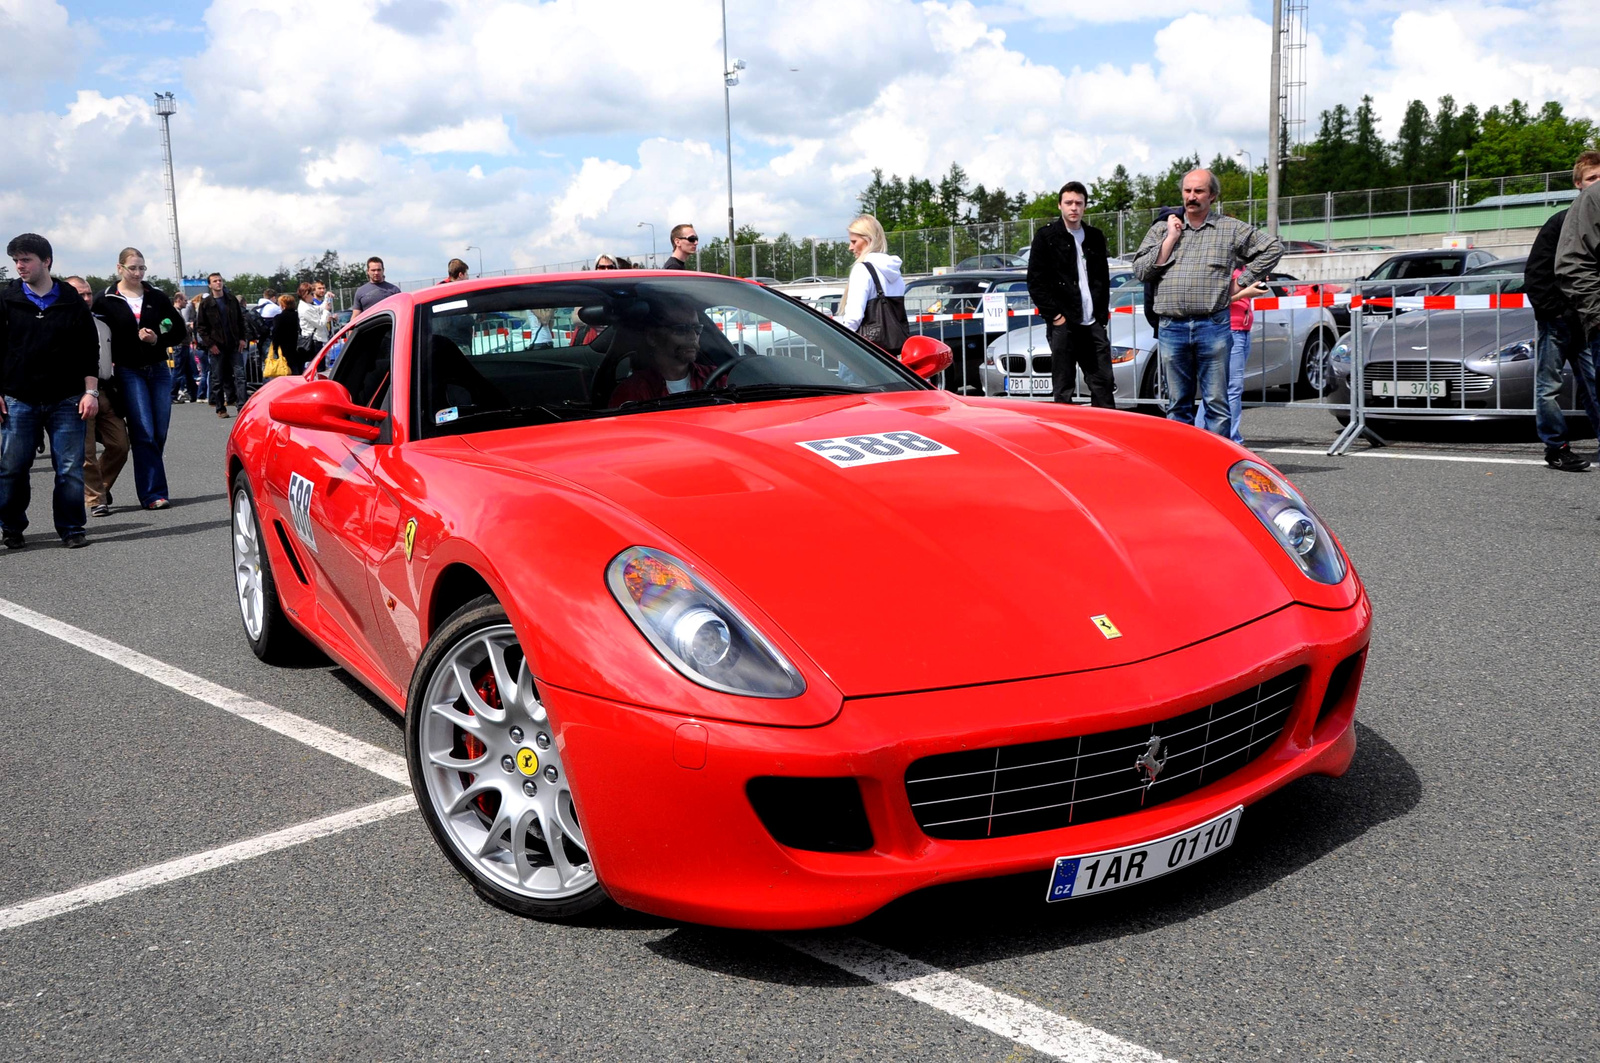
(699, 634)
(1516, 352)
(1120, 355)
(1289, 519)
(1340, 355)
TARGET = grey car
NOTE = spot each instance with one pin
(1288, 350)
(1452, 365)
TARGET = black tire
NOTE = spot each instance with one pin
(1149, 388)
(468, 624)
(1316, 370)
(279, 642)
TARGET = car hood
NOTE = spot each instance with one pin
(984, 565)
(1448, 335)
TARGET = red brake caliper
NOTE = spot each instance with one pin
(489, 691)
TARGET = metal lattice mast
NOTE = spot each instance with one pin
(1286, 110)
(166, 107)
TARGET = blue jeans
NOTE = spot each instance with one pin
(147, 404)
(1560, 341)
(1238, 357)
(20, 434)
(183, 373)
(1194, 352)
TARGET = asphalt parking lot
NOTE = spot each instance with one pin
(1436, 903)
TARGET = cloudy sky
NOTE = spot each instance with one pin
(546, 131)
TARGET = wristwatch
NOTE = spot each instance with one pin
(93, 393)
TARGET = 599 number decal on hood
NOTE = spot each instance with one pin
(851, 451)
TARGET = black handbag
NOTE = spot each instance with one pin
(884, 320)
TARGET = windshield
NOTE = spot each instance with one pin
(569, 350)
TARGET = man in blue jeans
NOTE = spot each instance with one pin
(1193, 257)
(49, 357)
(1561, 338)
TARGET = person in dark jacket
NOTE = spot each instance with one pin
(49, 354)
(219, 329)
(1560, 335)
(143, 324)
(286, 334)
(1069, 280)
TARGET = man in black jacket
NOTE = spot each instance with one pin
(49, 358)
(219, 327)
(1069, 280)
(1561, 335)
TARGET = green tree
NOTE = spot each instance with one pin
(1411, 145)
(1112, 193)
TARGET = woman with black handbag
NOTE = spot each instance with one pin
(874, 303)
(143, 324)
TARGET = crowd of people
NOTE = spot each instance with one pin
(96, 373)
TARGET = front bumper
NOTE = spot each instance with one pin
(683, 841)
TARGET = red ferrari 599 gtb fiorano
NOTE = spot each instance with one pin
(716, 630)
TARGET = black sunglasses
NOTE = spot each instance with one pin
(691, 239)
(606, 267)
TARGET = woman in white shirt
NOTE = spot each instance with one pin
(869, 245)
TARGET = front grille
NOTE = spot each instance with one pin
(994, 793)
(1459, 377)
(1017, 364)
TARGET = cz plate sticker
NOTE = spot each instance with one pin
(300, 509)
(849, 451)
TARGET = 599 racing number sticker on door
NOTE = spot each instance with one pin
(850, 451)
(300, 510)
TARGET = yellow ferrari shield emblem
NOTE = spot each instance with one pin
(527, 761)
(411, 536)
(1107, 628)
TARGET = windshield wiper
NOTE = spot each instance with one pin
(717, 396)
(758, 392)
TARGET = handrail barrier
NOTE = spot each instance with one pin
(1365, 351)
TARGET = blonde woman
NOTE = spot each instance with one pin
(143, 324)
(876, 274)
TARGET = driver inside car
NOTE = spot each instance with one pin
(664, 356)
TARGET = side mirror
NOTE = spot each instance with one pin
(926, 356)
(325, 406)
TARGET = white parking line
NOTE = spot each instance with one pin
(111, 888)
(1027, 1024)
(323, 739)
(1401, 455)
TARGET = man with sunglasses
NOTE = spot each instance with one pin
(684, 242)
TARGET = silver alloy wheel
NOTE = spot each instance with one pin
(480, 760)
(1318, 369)
(247, 564)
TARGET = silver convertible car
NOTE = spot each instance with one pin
(1288, 349)
(1451, 365)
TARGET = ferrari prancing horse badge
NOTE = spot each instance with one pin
(1103, 622)
(411, 536)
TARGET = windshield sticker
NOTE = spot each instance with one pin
(446, 415)
(300, 490)
(454, 304)
(851, 451)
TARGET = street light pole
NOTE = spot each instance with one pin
(166, 107)
(472, 247)
(652, 228)
(1250, 192)
(730, 78)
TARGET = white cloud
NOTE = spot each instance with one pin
(435, 126)
(483, 136)
(40, 42)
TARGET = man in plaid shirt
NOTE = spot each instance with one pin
(1194, 257)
